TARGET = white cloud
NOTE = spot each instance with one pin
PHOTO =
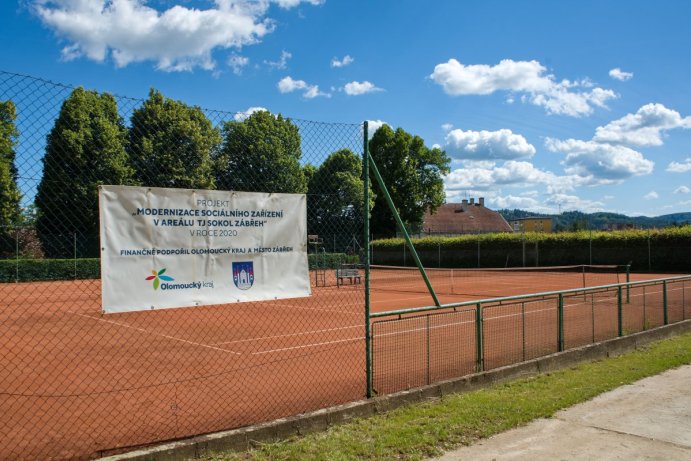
(652, 195)
(176, 39)
(487, 145)
(620, 75)
(511, 173)
(565, 202)
(347, 60)
(677, 167)
(287, 4)
(528, 77)
(240, 116)
(682, 190)
(447, 127)
(282, 61)
(238, 63)
(603, 163)
(358, 88)
(373, 126)
(515, 201)
(288, 85)
(644, 128)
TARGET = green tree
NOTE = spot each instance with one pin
(335, 196)
(10, 212)
(413, 175)
(261, 154)
(85, 148)
(172, 144)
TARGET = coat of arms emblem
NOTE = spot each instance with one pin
(243, 274)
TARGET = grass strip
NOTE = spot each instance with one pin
(424, 430)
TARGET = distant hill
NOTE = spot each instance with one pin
(575, 220)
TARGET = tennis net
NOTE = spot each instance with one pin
(491, 282)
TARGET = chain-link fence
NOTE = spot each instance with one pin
(648, 252)
(76, 383)
(412, 350)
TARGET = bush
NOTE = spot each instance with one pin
(331, 260)
(34, 270)
(660, 249)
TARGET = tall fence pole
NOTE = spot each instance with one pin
(368, 339)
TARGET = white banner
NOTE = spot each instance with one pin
(163, 248)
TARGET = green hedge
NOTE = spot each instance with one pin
(331, 260)
(30, 270)
(33, 270)
(666, 249)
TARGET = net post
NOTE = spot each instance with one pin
(664, 302)
(620, 313)
(480, 361)
(560, 320)
(399, 221)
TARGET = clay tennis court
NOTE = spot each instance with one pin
(77, 384)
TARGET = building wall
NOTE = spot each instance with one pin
(532, 225)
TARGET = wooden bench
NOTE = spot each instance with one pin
(349, 273)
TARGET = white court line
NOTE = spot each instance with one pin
(292, 306)
(153, 333)
(304, 346)
(290, 334)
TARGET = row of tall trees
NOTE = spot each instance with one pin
(171, 144)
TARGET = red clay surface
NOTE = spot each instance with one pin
(77, 384)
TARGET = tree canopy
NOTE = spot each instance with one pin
(85, 148)
(261, 154)
(336, 196)
(9, 192)
(413, 174)
(172, 144)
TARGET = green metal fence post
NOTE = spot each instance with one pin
(401, 226)
(480, 360)
(368, 339)
(664, 303)
(523, 328)
(560, 326)
(428, 349)
(620, 313)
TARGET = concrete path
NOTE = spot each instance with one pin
(647, 420)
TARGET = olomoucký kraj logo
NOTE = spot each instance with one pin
(158, 276)
(243, 274)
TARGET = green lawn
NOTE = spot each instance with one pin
(423, 430)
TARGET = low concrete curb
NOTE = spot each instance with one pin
(241, 439)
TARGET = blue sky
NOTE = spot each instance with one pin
(543, 105)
